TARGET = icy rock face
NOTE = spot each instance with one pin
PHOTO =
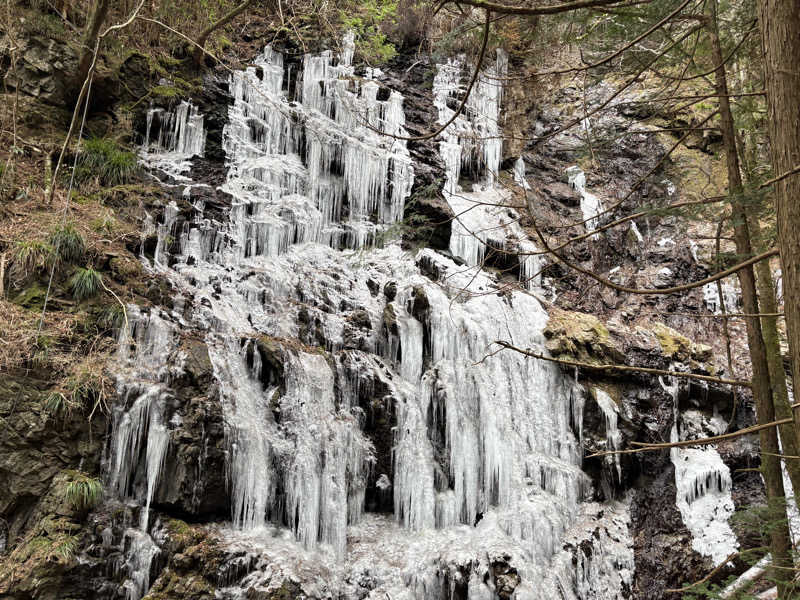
(486, 226)
(613, 435)
(140, 436)
(703, 483)
(591, 206)
(315, 170)
(172, 137)
(348, 371)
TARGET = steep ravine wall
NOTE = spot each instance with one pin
(190, 551)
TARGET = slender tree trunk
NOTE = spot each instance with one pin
(98, 17)
(780, 541)
(780, 34)
(203, 37)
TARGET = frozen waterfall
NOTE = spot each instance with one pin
(703, 483)
(486, 226)
(481, 455)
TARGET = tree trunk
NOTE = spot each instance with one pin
(203, 37)
(780, 542)
(780, 34)
(99, 14)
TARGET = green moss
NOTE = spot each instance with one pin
(177, 528)
(31, 297)
(165, 91)
(580, 336)
(125, 268)
(678, 347)
(673, 344)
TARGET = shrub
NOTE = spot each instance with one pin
(83, 492)
(68, 243)
(103, 160)
(28, 257)
(366, 20)
(110, 317)
(57, 404)
(85, 283)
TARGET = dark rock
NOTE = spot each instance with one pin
(561, 192)
(36, 446)
(390, 290)
(390, 320)
(662, 544)
(44, 69)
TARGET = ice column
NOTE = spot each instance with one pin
(703, 496)
(140, 432)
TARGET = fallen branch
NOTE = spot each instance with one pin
(624, 368)
(648, 447)
(552, 9)
(704, 579)
(197, 56)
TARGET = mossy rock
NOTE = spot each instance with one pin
(287, 591)
(124, 268)
(31, 296)
(581, 336)
(678, 347)
(174, 586)
(195, 556)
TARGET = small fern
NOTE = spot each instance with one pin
(68, 243)
(85, 284)
(82, 491)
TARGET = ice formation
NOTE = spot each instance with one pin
(591, 206)
(519, 174)
(610, 411)
(485, 450)
(172, 137)
(486, 227)
(730, 296)
(703, 483)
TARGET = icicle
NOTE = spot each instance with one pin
(140, 432)
(703, 484)
(141, 553)
(519, 174)
(591, 206)
(613, 435)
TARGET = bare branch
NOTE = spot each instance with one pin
(197, 56)
(533, 11)
(624, 368)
